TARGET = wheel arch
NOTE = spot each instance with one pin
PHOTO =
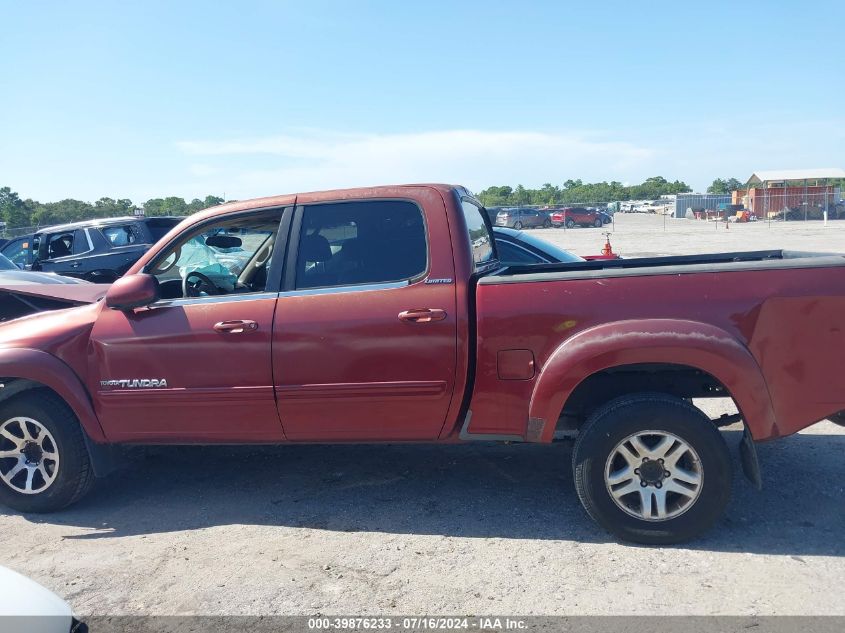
(689, 344)
(23, 369)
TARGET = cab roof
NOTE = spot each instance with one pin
(320, 196)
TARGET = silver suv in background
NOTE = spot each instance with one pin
(523, 218)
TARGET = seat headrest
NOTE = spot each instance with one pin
(315, 248)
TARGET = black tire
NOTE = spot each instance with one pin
(617, 420)
(517, 225)
(598, 223)
(73, 476)
(838, 418)
(547, 223)
(570, 223)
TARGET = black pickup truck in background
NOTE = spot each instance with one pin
(97, 250)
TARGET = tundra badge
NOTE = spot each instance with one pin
(136, 383)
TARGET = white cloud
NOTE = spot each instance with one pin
(321, 160)
(201, 170)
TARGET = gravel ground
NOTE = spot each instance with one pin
(410, 529)
(643, 235)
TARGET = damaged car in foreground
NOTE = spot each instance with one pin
(24, 292)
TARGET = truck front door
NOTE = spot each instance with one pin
(364, 340)
(195, 365)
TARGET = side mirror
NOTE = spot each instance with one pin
(132, 291)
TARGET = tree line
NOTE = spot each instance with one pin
(578, 192)
(17, 212)
(575, 191)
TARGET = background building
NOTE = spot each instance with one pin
(797, 194)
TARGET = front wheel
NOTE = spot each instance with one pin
(547, 223)
(44, 464)
(598, 223)
(652, 469)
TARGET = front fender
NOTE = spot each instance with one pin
(43, 368)
(675, 341)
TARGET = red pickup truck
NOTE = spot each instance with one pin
(383, 315)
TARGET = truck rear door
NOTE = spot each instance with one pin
(365, 331)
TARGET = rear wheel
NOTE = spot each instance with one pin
(570, 223)
(517, 225)
(44, 464)
(652, 469)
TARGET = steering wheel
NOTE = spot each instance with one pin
(202, 284)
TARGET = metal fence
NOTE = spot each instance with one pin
(782, 204)
(18, 231)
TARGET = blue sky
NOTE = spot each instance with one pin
(143, 99)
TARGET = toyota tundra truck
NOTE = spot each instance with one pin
(383, 315)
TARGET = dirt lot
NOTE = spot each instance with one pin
(643, 235)
(460, 529)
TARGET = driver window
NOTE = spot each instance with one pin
(230, 257)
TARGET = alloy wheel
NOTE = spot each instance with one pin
(654, 475)
(29, 456)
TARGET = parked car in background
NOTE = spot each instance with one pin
(18, 250)
(11, 275)
(97, 250)
(606, 218)
(576, 216)
(662, 207)
(492, 212)
(523, 218)
(518, 248)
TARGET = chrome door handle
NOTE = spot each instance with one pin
(422, 315)
(235, 327)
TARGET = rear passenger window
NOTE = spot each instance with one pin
(120, 235)
(353, 243)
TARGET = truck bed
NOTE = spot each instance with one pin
(775, 314)
(670, 265)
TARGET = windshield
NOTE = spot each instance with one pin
(6, 263)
